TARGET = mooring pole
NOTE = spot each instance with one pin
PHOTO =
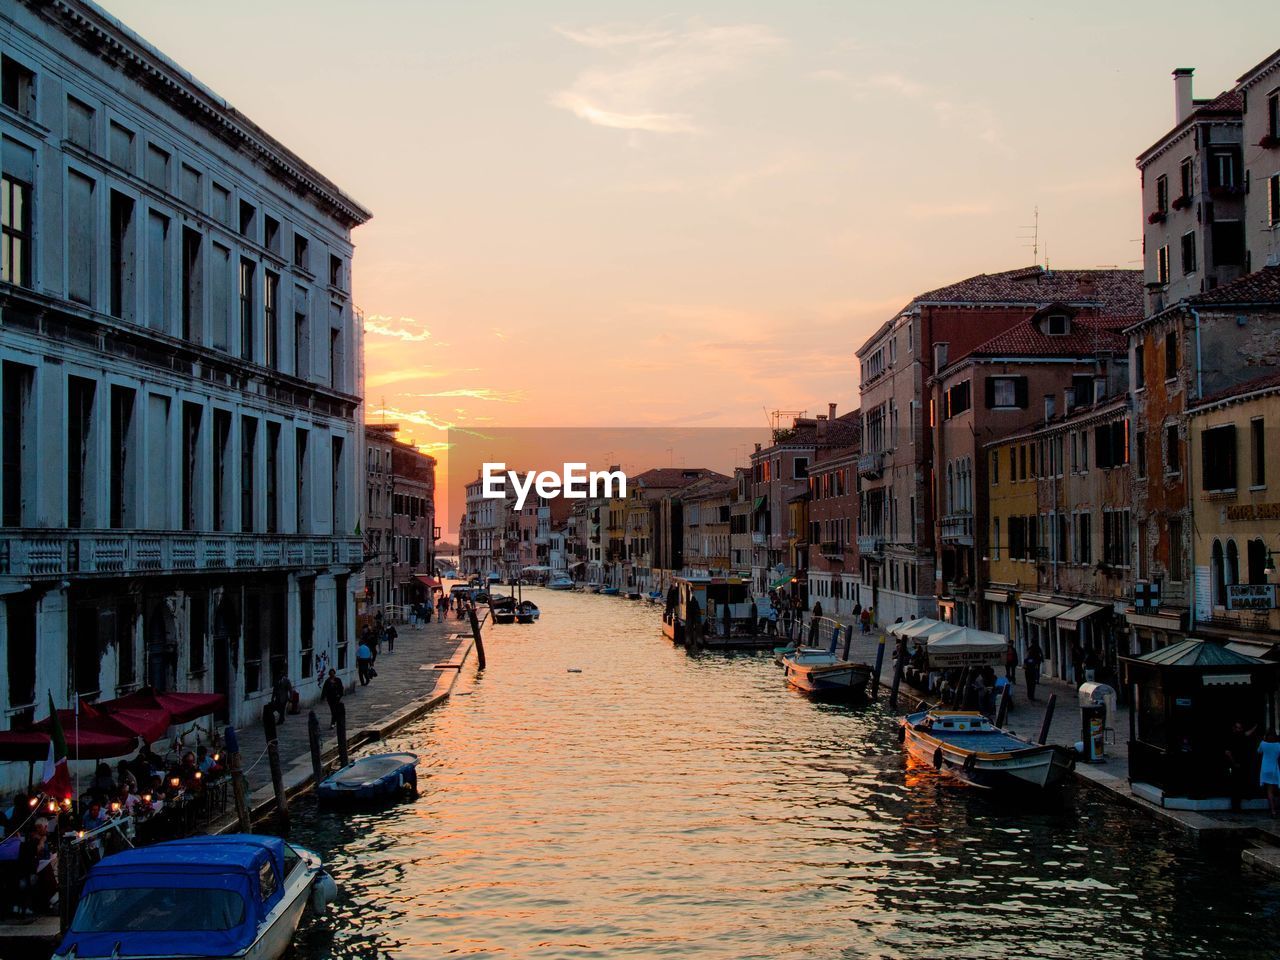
(341, 719)
(475, 633)
(313, 738)
(848, 642)
(875, 676)
(277, 772)
(237, 781)
(1048, 718)
(899, 663)
(1002, 711)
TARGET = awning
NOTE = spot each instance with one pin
(1077, 613)
(965, 647)
(996, 596)
(92, 737)
(427, 580)
(540, 568)
(1261, 649)
(780, 582)
(758, 504)
(1048, 611)
(148, 721)
(182, 707)
(924, 628)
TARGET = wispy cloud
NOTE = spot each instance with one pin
(650, 72)
(408, 373)
(399, 328)
(474, 393)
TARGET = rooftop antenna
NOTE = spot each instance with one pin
(1032, 239)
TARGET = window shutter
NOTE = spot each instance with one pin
(991, 392)
(1020, 392)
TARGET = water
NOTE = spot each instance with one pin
(658, 804)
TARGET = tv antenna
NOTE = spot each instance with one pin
(1032, 239)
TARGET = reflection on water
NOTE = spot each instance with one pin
(657, 804)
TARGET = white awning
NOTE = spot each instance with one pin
(1078, 613)
(965, 647)
(996, 596)
(1261, 649)
(1048, 611)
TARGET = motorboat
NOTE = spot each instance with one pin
(968, 746)
(527, 611)
(560, 582)
(373, 779)
(712, 613)
(502, 608)
(825, 673)
(238, 895)
(609, 591)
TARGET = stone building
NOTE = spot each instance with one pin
(181, 383)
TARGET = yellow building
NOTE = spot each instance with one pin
(1235, 498)
(1010, 544)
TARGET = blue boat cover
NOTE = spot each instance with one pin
(199, 897)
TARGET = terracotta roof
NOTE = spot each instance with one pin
(1115, 291)
(673, 478)
(1088, 335)
(1261, 286)
(1263, 382)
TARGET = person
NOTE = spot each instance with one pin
(773, 619)
(857, 610)
(1239, 755)
(1077, 664)
(1269, 770)
(1010, 661)
(332, 693)
(364, 663)
(427, 609)
(103, 783)
(817, 609)
(95, 817)
(390, 635)
(37, 880)
(205, 761)
(865, 619)
(1091, 665)
(1031, 668)
(281, 693)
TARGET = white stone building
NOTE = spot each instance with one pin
(180, 383)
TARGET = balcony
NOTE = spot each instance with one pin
(831, 549)
(871, 465)
(758, 538)
(870, 545)
(957, 528)
(79, 553)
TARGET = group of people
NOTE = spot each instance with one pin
(372, 638)
(1246, 753)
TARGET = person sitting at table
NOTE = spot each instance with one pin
(96, 816)
(103, 782)
(145, 765)
(189, 771)
(207, 764)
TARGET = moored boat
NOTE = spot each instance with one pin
(238, 895)
(609, 591)
(560, 582)
(969, 747)
(824, 673)
(502, 609)
(372, 779)
(527, 611)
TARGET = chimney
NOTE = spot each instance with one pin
(1182, 92)
(822, 426)
(831, 411)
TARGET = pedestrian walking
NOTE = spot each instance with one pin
(1269, 770)
(1011, 661)
(1031, 668)
(281, 692)
(427, 609)
(390, 635)
(865, 619)
(817, 610)
(364, 663)
(332, 693)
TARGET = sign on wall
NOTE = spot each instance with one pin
(1204, 599)
(1251, 596)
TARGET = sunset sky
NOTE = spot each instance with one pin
(641, 213)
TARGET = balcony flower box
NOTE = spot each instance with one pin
(1156, 216)
(1269, 141)
(1182, 203)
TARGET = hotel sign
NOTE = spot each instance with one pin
(1254, 511)
(1251, 596)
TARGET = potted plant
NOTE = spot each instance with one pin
(1269, 141)
(1156, 216)
(1182, 202)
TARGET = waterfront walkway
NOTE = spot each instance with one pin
(416, 676)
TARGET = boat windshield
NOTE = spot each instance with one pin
(158, 909)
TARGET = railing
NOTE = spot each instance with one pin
(831, 548)
(58, 553)
(958, 527)
(758, 538)
(871, 465)
(870, 543)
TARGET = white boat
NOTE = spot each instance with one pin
(560, 582)
(969, 747)
(823, 673)
(239, 895)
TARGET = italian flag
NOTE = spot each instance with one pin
(56, 779)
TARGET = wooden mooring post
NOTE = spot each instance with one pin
(277, 772)
(243, 820)
(1048, 718)
(476, 635)
(340, 719)
(900, 660)
(313, 739)
(875, 674)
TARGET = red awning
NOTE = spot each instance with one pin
(427, 581)
(93, 737)
(148, 721)
(29, 745)
(185, 707)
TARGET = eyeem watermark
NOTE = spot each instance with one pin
(572, 483)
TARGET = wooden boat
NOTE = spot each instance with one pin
(502, 609)
(373, 779)
(719, 610)
(968, 746)
(527, 611)
(823, 673)
(238, 895)
(609, 591)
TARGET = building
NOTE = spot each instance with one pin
(706, 506)
(659, 490)
(779, 472)
(896, 532)
(379, 547)
(831, 565)
(180, 374)
(1259, 91)
(1233, 462)
(413, 523)
(740, 511)
(1056, 361)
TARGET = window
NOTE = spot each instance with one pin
(271, 233)
(339, 524)
(1232, 573)
(1172, 449)
(248, 471)
(1140, 444)
(192, 287)
(17, 441)
(120, 146)
(15, 219)
(246, 310)
(1084, 538)
(1186, 181)
(958, 399)
(799, 468)
(192, 415)
(1273, 115)
(79, 423)
(159, 272)
(123, 257)
(1111, 444)
(1257, 447)
(335, 358)
(1218, 566)
(189, 186)
(301, 259)
(302, 506)
(1273, 199)
(120, 479)
(1162, 194)
(995, 538)
(1177, 551)
(1228, 243)
(157, 170)
(81, 245)
(1008, 392)
(1115, 537)
(1256, 551)
(271, 320)
(1057, 325)
(1171, 355)
(1139, 366)
(17, 87)
(335, 271)
(221, 466)
(1218, 450)
(1189, 253)
(1162, 265)
(220, 298)
(995, 468)
(80, 123)
(1223, 164)
(221, 203)
(247, 213)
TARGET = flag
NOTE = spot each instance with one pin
(56, 778)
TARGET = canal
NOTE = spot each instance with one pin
(657, 804)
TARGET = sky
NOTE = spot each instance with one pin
(640, 213)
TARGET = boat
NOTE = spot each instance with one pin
(654, 596)
(968, 746)
(238, 895)
(609, 591)
(560, 582)
(372, 779)
(502, 608)
(824, 673)
(714, 613)
(527, 611)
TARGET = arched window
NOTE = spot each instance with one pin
(1219, 575)
(1233, 563)
(1257, 561)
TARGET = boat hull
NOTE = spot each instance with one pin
(387, 786)
(837, 680)
(1033, 767)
